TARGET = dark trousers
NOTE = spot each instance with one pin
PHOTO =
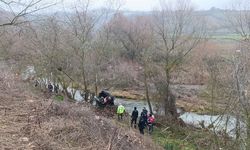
(150, 128)
(141, 130)
(133, 121)
(120, 116)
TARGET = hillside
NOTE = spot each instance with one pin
(217, 21)
(32, 121)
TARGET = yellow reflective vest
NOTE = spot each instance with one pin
(120, 109)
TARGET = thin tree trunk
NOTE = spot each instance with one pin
(170, 101)
(248, 133)
(84, 79)
(147, 91)
(166, 101)
(96, 87)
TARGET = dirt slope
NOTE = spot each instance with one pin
(29, 121)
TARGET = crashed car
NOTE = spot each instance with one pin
(104, 98)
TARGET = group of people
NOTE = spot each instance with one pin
(146, 119)
(50, 88)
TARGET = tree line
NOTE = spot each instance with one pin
(86, 49)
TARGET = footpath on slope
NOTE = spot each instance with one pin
(32, 121)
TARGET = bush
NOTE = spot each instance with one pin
(59, 98)
(171, 141)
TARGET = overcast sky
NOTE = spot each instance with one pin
(148, 5)
(199, 4)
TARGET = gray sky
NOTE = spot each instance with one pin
(199, 4)
(147, 5)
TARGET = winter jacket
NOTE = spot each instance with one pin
(120, 109)
(142, 123)
(134, 114)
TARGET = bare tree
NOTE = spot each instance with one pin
(178, 31)
(135, 36)
(81, 25)
(238, 18)
(102, 54)
(48, 51)
(14, 11)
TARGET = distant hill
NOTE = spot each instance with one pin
(216, 18)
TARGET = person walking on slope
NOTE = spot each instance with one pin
(144, 114)
(142, 123)
(134, 117)
(151, 120)
(120, 111)
(50, 87)
(56, 88)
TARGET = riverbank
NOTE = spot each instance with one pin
(129, 94)
(190, 125)
(31, 120)
(53, 128)
(184, 101)
(39, 122)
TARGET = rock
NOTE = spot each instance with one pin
(31, 145)
(32, 118)
(24, 139)
(30, 100)
(97, 117)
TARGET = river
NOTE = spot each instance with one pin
(220, 123)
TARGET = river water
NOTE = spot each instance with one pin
(220, 123)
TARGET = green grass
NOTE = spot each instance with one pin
(170, 141)
(227, 37)
(59, 98)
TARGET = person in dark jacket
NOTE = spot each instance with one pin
(142, 124)
(36, 83)
(144, 114)
(56, 88)
(134, 117)
(50, 87)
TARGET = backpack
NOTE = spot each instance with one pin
(151, 119)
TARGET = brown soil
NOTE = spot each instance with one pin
(32, 121)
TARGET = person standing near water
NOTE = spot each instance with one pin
(120, 111)
(56, 88)
(144, 114)
(142, 124)
(50, 87)
(134, 117)
(151, 120)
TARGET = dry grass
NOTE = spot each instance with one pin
(131, 94)
(29, 121)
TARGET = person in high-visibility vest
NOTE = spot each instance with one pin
(120, 111)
